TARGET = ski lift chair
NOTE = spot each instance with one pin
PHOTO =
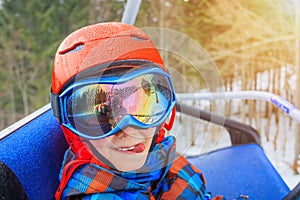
(33, 149)
(241, 170)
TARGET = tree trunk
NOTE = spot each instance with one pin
(257, 104)
(276, 90)
(269, 110)
(13, 117)
(25, 100)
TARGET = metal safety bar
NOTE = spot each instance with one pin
(290, 109)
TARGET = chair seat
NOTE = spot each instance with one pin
(241, 170)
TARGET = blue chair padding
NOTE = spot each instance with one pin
(241, 170)
(35, 152)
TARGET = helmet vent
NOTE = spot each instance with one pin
(74, 48)
(137, 38)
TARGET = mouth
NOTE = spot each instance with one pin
(138, 148)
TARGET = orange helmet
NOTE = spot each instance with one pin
(113, 41)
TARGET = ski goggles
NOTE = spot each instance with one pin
(99, 107)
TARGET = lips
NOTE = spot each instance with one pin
(139, 148)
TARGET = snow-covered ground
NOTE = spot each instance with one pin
(186, 128)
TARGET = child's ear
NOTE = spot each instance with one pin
(166, 126)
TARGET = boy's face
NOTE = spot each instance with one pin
(128, 149)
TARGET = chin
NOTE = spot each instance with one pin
(130, 165)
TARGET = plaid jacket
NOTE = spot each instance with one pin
(165, 175)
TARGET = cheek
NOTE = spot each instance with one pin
(101, 145)
(149, 133)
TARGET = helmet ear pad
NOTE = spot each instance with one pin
(166, 126)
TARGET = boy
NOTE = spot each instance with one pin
(112, 95)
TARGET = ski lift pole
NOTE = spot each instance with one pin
(278, 101)
(131, 11)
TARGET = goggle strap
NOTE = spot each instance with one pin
(54, 100)
(168, 126)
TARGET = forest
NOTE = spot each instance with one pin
(254, 44)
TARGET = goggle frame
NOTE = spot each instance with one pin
(127, 120)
